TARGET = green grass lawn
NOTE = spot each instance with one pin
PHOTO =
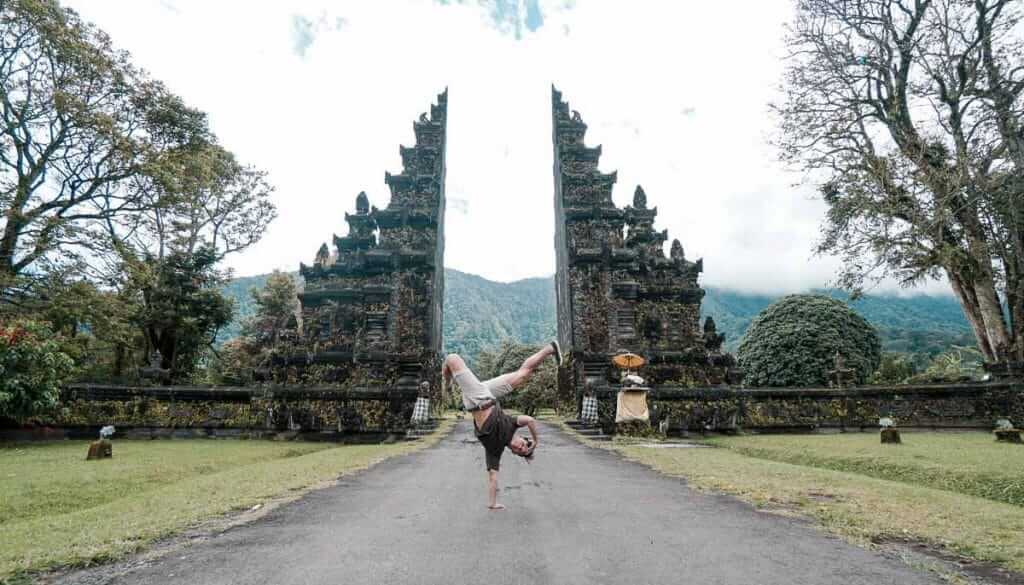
(58, 509)
(969, 462)
(947, 489)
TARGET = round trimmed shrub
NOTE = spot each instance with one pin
(793, 342)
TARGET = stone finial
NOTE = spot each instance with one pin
(709, 326)
(712, 339)
(639, 198)
(677, 252)
(576, 116)
(424, 119)
(323, 255)
(362, 203)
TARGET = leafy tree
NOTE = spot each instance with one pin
(234, 361)
(32, 369)
(197, 195)
(93, 326)
(276, 304)
(116, 201)
(179, 308)
(895, 368)
(76, 125)
(908, 114)
(794, 342)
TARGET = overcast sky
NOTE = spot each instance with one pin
(320, 94)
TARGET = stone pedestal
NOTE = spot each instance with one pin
(101, 449)
(1008, 436)
(890, 436)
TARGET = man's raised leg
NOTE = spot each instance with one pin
(522, 375)
(453, 364)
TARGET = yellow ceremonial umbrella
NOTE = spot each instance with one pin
(628, 361)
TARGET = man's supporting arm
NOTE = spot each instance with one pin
(492, 489)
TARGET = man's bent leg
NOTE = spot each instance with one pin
(522, 375)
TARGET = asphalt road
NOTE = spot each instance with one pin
(576, 515)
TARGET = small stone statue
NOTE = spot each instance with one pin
(153, 372)
(841, 375)
(889, 434)
(639, 198)
(323, 256)
(677, 254)
(421, 410)
(1005, 433)
(362, 203)
(101, 449)
(712, 339)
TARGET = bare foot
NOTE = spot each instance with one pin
(496, 507)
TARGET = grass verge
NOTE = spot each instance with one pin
(971, 463)
(861, 508)
(63, 511)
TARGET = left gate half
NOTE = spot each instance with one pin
(372, 302)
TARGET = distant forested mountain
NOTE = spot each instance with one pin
(480, 313)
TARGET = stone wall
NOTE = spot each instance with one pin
(166, 411)
(931, 406)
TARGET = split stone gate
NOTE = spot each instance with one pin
(372, 305)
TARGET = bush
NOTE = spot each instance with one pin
(895, 368)
(959, 364)
(793, 342)
(32, 369)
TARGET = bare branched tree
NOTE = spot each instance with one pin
(69, 134)
(907, 114)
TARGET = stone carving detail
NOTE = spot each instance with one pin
(372, 310)
(640, 199)
(616, 290)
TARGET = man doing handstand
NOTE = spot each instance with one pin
(494, 429)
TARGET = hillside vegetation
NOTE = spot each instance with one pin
(480, 314)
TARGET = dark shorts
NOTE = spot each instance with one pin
(495, 434)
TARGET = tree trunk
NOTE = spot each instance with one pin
(989, 305)
(8, 246)
(969, 303)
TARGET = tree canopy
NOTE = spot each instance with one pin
(794, 342)
(907, 114)
(117, 201)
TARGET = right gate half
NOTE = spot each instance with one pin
(616, 290)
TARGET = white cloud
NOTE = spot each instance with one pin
(676, 92)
